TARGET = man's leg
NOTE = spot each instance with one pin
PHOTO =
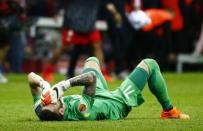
(3, 53)
(99, 54)
(199, 45)
(156, 82)
(48, 69)
(92, 64)
(148, 70)
(18, 43)
(75, 53)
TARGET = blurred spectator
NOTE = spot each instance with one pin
(120, 33)
(16, 53)
(79, 31)
(4, 47)
(184, 25)
(192, 23)
(177, 26)
(18, 39)
(129, 43)
(12, 19)
(44, 42)
(153, 39)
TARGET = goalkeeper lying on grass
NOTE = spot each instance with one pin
(96, 101)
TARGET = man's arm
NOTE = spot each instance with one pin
(116, 15)
(88, 80)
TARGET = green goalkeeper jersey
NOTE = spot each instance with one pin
(97, 108)
(116, 104)
(105, 104)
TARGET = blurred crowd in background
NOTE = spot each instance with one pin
(135, 29)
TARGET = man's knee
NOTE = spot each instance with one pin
(93, 59)
(144, 66)
(92, 62)
(152, 64)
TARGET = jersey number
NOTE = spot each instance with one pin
(127, 91)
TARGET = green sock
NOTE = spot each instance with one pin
(157, 84)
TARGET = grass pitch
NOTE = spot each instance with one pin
(185, 90)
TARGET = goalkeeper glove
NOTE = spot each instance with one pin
(49, 97)
(52, 95)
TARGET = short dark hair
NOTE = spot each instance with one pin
(49, 115)
(51, 112)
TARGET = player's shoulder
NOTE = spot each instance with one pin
(71, 97)
(76, 96)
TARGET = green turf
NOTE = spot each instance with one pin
(186, 92)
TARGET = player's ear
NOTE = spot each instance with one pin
(61, 111)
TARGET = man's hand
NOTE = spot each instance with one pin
(52, 95)
(138, 19)
(116, 15)
(49, 97)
